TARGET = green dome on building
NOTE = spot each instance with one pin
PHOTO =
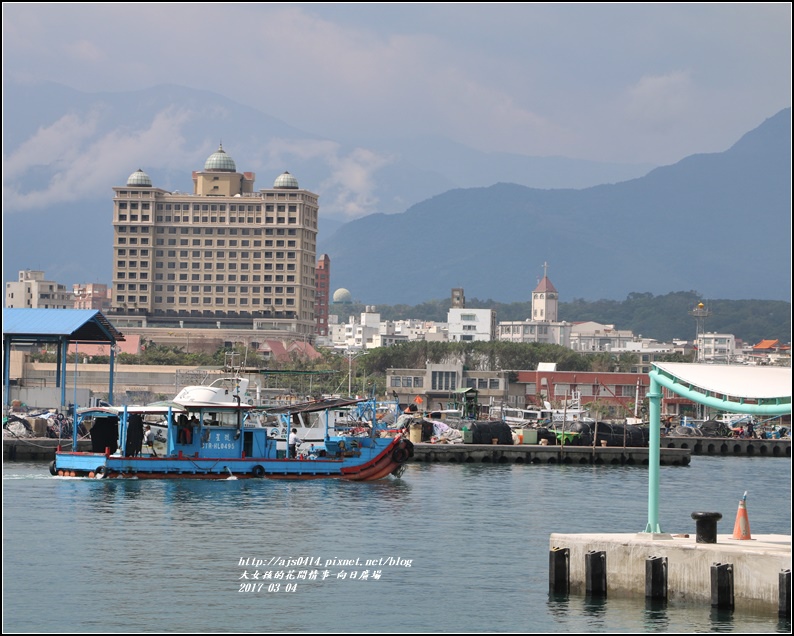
(139, 178)
(286, 182)
(219, 161)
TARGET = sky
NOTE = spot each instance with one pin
(630, 83)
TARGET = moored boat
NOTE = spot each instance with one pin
(528, 417)
(212, 441)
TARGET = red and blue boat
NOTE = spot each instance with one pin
(217, 440)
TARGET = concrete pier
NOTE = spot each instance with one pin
(730, 446)
(38, 448)
(755, 566)
(537, 454)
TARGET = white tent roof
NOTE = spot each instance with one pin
(732, 380)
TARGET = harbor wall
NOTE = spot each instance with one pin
(756, 565)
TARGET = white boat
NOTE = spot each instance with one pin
(531, 417)
(226, 390)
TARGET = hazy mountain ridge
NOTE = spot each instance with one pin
(53, 137)
(656, 232)
(719, 223)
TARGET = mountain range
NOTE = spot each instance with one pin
(64, 150)
(719, 224)
(405, 220)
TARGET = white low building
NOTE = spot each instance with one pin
(719, 348)
(471, 325)
(593, 337)
(31, 291)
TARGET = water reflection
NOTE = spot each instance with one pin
(721, 619)
(559, 605)
(656, 617)
(595, 606)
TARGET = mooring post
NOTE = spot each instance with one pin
(656, 577)
(559, 570)
(706, 526)
(595, 573)
(722, 585)
(784, 594)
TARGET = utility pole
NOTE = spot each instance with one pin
(351, 353)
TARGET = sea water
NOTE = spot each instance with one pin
(447, 548)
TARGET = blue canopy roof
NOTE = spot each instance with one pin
(76, 325)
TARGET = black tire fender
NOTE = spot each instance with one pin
(53, 469)
(99, 473)
(258, 471)
(400, 455)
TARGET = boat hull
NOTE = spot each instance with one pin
(384, 457)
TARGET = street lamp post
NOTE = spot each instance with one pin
(351, 353)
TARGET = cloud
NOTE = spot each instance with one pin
(80, 166)
(350, 188)
(57, 145)
(85, 51)
(659, 100)
(596, 82)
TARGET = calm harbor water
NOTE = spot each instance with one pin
(451, 548)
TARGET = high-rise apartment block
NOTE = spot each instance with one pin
(323, 281)
(223, 255)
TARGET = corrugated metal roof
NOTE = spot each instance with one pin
(85, 325)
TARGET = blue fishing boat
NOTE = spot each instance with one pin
(215, 440)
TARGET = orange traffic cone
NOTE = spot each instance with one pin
(741, 529)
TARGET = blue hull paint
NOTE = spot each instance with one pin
(212, 449)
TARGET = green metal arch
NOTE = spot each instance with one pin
(782, 406)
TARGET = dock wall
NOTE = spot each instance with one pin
(537, 454)
(729, 446)
(756, 565)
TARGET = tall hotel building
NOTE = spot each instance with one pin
(225, 256)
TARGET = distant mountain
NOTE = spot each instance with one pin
(716, 223)
(64, 150)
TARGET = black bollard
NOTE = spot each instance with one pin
(706, 525)
(656, 578)
(595, 573)
(722, 585)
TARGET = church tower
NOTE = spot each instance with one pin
(544, 300)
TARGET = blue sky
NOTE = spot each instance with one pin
(649, 83)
